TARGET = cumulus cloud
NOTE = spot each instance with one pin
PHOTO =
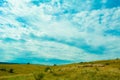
(59, 31)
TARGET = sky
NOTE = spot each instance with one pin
(59, 31)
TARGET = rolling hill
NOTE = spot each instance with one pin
(96, 70)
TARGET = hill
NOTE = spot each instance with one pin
(97, 70)
(7, 63)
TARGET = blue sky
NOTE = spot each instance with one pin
(59, 31)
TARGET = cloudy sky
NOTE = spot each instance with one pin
(59, 31)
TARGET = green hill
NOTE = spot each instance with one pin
(97, 70)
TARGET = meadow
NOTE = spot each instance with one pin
(96, 70)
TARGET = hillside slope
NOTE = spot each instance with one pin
(97, 70)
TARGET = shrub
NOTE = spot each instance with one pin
(28, 63)
(47, 69)
(39, 76)
(97, 69)
(118, 68)
(3, 69)
(107, 63)
(55, 65)
(11, 70)
(59, 69)
(117, 58)
(81, 62)
(56, 74)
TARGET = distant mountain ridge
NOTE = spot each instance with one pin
(8, 63)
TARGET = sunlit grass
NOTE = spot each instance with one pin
(97, 70)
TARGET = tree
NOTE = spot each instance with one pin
(28, 63)
(55, 65)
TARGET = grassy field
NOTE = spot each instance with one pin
(97, 70)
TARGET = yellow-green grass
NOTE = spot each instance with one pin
(97, 70)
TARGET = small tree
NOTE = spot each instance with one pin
(117, 58)
(47, 69)
(55, 65)
(81, 62)
(28, 63)
(107, 63)
(11, 70)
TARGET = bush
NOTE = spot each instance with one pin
(55, 65)
(81, 62)
(47, 69)
(107, 63)
(59, 69)
(118, 68)
(11, 70)
(28, 63)
(3, 69)
(97, 69)
(39, 76)
(117, 58)
(56, 74)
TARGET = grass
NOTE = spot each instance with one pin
(97, 70)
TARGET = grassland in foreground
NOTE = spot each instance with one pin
(97, 70)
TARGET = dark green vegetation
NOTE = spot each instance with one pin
(97, 70)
